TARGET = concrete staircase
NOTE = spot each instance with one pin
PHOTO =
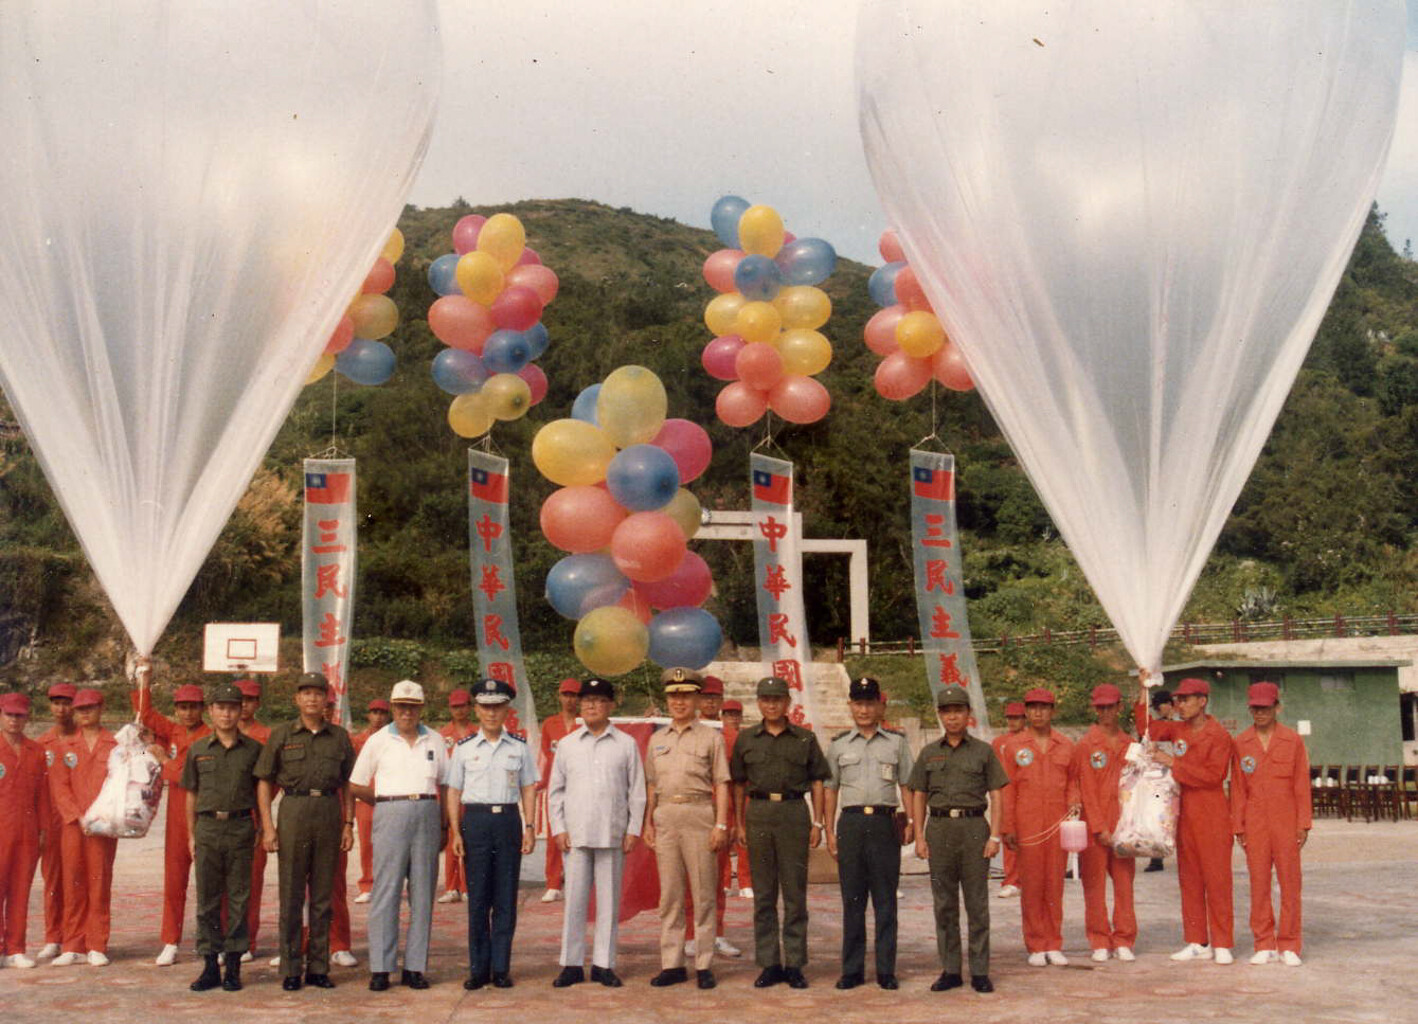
(828, 680)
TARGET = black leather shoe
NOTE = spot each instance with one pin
(794, 977)
(946, 982)
(414, 979)
(231, 980)
(769, 977)
(501, 979)
(379, 981)
(475, 982)
(705, 979)
(981, 983)
(569, 976)
(605, 976)
(670, 976)
(849, 981)
(291, 983)
(887, 981)
(211, 976)
(1155, 864)
(319, 980)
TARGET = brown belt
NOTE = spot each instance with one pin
(687, 798)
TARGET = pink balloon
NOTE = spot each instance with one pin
(687, 587)
(517, 308)
(581, 519)
(459, 322)
(634, 602)
(789, 238)
(880, 332)
(719, 269)
(379, 279)
(466, 231)
(344, 334)
(948, 366)
(890, 247)
(529, 257)
(647, 546)
(900, 376)
(759, 365)
(719, 355)
(738, 405)
(799, 399)
(540, 279)
(688, 444)
(909, 292)
(536, 379)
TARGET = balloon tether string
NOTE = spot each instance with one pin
(334, 451)
(768, 441)
(935, 421)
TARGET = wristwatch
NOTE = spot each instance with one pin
(721, 828)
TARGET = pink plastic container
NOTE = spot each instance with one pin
(1073, 836)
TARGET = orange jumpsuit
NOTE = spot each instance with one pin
(1035, 801)
(51, 862)
(1011, 859)
(364, 824)
(74, 784)
(24, 811)
(1203, 757)
(554, 730)
(1270, 805)
(453, 879)
(1096, 767)
(177, 859)
(260, 733)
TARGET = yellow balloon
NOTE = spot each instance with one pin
(761, 231)
(394, 247)
(685, 510)
(469, 415)
(758, 321)
(322, 366)
(919, 334)
(803, 306)
(480, 276)
(508, 396)
(610, 640)
(374, 316)
(631, 406)
(503, 238)
(722, 311)
(806, 353)
(572, 453)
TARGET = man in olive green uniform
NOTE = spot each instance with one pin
(774, 765)
(219, 778)
(952, 785)
(310, 760)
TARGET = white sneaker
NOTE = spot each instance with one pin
(1007, 892)
(50, 949)
(551, 896)
(1223, 956)
(97, 959)
(246, 957)
(1124, 954)
(19, 960)
(746, 893)
(363, 897)
(1056, 957)
(1038, 960)
(449, 896)
(344, 958)
(167, 957)
(66, 959)
(1100, 956)
(690, 948)
(731, 893)
(1264, 956)
(724, 947)
(275, 961)
(1193, 951)
(1291, 959)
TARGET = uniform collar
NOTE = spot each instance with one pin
(857, 732)
(393, 730)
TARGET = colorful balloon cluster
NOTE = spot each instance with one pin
(766, 316)
(624, 517)
(492, 290)
(356, 349)
(907, 333)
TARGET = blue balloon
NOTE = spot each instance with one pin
(579, 583)
(458, 372)
(538, 338)
(758, 278)
(366, 362)
(443, 275)
(506, 351)
(688, 637)
(725, 219)
(642, 477)
(806, 261)
(584, 408)
(882, 284)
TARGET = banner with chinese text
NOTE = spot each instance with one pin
(327, 572)
(778, 574)
(940, 590)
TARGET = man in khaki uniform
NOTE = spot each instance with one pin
(687, 804)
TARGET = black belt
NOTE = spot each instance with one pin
(775, 797)
(490, 808)
(957, 812)
(311, 792)
(406, 797)
(225, 815)
(870, 809)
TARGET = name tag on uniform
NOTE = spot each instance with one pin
(428, 754)
(888, 772)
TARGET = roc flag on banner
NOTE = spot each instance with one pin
(495, 590)
(327, 572)
(940, 592)
(778, 575)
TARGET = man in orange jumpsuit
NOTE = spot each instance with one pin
(1096, 769)
(80, 767)
(249, 726)
(460, 709)
(341, 939)
(555, 729)
(24, 812)
(172, 737)
(711, 703)
(731, 713)
(1014, 724)
(1037, 799)
(1271, 816)
(51, 862)
(376, 717)
(1200, 764)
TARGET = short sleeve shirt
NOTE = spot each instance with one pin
(686, 762)
(960, 776)
(297, 759)
(398, 768)
(788, 763)
(868, 771)
(491, 771)
(222, 778)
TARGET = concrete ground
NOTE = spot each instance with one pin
(1361, 899)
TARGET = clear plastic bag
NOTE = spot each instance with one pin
(128, 801)
(1150, 798)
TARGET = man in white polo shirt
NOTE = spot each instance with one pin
(401, 771)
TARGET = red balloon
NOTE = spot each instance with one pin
(719, 269)
(880, 333)
(948, 366)
(900, 376)
(635, 602)
(738, 405)
(580, 519)
(536, 379)
(540, 279)
(647, 546)
(459, 322)
(799, 399)
(910, 293)
(529, 257)
(688, 586)
(466, 231)
(379, 279)
(517, 308)
(344, 334)
(688, 444)
(759, 365)
(719, 355)
(890, 247)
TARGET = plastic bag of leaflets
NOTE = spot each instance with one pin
(1150, 798)
(128, 801)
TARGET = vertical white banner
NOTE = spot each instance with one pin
(327, 572)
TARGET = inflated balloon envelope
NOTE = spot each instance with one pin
(193, 191)
(1131, 218)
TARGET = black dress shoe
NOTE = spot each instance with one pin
(319, 980)
(1155, 864)
(769, 977)
(670, 976)
(705, 979)
(569, 976)
(849, 981)
(475, 982)
(211, 976)
(887, 981)
(291, 983)
(605, 976)
(981, 983)
(501, 979)
(379, 981)
(794, 977)
(946, 982)
(231, 980)
(414, 979)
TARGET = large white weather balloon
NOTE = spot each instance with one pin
(192, 192)
(1131, 217)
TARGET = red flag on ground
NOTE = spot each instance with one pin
(640, 889)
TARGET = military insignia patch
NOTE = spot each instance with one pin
(1180, 746)
(1024, 757)
(1248, 764)
(71, 759)
(49, 759)
(1098, 759)
(172, 751)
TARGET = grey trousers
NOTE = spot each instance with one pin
(601, 866)
(407, 835)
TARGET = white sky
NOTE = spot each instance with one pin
(664, 106)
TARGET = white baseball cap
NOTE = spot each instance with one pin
(406, 691)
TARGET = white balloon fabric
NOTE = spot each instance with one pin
(193, 191)
(1131, 218)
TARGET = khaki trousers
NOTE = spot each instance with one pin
(682, 834)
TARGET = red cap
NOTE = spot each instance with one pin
(1014, 709)
(571, 686)
(1192, 687)
(731, 705)
(1263, 695)
(88, 699)
(249, 688)
(1039, 695)
(189, 693)
(712, 686)
(1106, 695)
(332, 695)
(459, 698)
(15, 704)
(378, 704)
(62, 691)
